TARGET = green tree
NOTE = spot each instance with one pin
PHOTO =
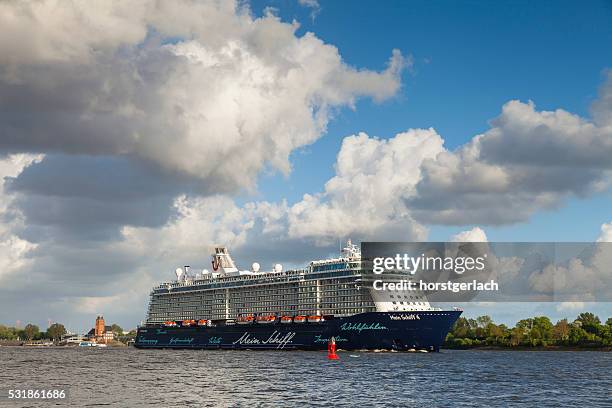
(31, 331)
(585, 331)
(7, 333)
(516, 336)
(544, 327)
(484, 321)
(606, 335)
(132, 335)
(525, 324)
(505, 336)
(561, 331)
(589, 322)
(56, 331)
(473, 323)
(116, 329)
(495, 333)
(480, 326)
(577, 335)
(461, 328)
(535, 337)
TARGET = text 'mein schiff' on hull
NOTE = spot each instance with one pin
(228, 308)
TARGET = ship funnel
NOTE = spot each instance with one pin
(222, 261)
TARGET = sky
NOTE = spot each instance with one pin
(133, 137)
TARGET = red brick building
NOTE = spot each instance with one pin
(101, 333)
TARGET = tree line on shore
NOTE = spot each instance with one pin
(586, 331)
(32, 332)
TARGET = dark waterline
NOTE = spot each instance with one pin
(140, 378)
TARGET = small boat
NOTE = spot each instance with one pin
(187, 323)
(266, 319)
(286, 319)
(299, 319)
(38, 344)
(203, 322)
(314, 319)
(245, 319)
(87, 344)
(170, 323)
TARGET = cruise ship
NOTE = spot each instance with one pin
(229, 308)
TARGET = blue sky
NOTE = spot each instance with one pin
(469, 59)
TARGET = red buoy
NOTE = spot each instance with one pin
(331, 349)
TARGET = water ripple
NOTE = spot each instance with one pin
(141, 378)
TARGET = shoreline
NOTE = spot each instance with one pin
(39, 346)
(525, 348)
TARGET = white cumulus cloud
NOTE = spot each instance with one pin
(200, 88)
(527, 161)
(476, 234)
(606, 233)
(367, 196)
(14, 250)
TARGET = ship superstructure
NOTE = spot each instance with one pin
(326, 287)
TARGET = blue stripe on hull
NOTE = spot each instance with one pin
(377, 330)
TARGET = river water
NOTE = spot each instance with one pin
(130, 377)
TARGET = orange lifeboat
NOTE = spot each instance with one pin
(248, 319)
(266, 319)
(314, 319)
(299, 319)
(286, 319)
(202, 322)
(170, 323)
(187, 323)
